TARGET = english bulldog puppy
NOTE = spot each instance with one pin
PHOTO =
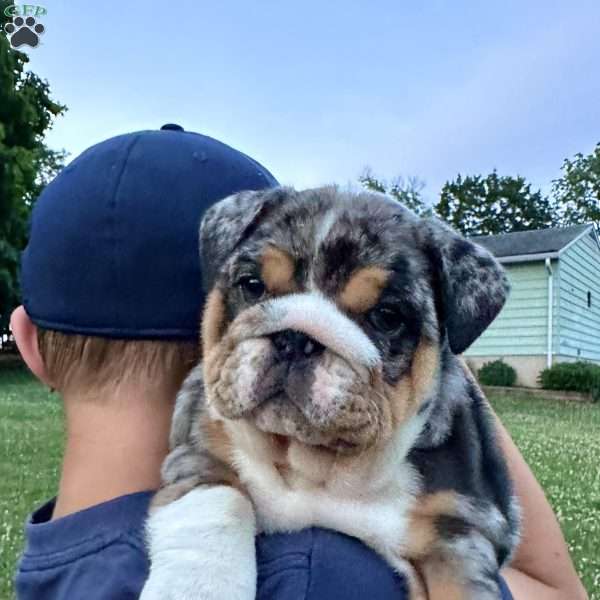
(331, 394)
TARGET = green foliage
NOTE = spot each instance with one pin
(26, 163)
(476, 205)
(408, 191)
(575, 377)
(497, 372)
(578, 190)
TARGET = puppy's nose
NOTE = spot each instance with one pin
(293, 345)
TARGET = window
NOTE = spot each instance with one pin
(589, 299)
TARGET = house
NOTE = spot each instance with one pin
(553, 312)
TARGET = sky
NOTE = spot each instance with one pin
(317, 91)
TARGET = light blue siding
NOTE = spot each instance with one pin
(578, 325)
(521, 328)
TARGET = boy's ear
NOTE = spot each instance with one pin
(229, 222)
(25, 334)
(473, 284)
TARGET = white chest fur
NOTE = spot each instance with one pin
(368, 497)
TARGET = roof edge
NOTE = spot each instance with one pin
(576, 239)
(519, 258)
(596, 236)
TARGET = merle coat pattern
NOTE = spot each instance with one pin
(330, 391)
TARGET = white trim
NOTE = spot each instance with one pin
(575, 240)
(517, 258)
(595, 230)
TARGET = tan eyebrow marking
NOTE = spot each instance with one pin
(363, 290)
(277, 271)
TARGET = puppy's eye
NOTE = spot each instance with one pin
(252, 287)
(386, 318)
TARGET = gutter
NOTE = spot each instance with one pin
(517, 258)
(550, 311)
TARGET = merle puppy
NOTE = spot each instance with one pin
(330, 394)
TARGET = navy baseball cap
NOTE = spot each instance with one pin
(113, 247)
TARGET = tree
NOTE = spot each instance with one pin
(577, 192)
(408, 191)
(477, 205)
(26, 163)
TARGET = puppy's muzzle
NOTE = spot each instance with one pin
(306, 324)
(298, 366)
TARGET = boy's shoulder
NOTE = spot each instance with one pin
(319, 564)
(94, 553)
(99, 553)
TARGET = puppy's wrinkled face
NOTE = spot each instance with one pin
(326, 314)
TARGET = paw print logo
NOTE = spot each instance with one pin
(24, 32)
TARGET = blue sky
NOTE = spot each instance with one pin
(319, 90)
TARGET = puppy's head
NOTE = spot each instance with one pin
(327, 312)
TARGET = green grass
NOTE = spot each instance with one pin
(31, 441)
(560, 441)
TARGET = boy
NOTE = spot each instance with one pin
(112, 297)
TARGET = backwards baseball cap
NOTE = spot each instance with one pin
(113, 248)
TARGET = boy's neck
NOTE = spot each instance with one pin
(115, 445)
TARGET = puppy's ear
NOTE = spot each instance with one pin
(473, 284)
(227, 223)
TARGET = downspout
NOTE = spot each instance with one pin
(550, 310)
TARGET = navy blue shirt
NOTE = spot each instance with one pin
(99, 554)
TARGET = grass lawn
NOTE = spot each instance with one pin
(560, 441)
(31, 441)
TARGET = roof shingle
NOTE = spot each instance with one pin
(539, 241)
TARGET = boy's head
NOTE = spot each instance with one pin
(111, 279)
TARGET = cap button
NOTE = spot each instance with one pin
(171, 127)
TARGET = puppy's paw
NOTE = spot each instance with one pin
(202, 547)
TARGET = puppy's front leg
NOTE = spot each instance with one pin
(463, 570)
(201, 547)
(450, 542)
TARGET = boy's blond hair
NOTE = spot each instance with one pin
(91, 365)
